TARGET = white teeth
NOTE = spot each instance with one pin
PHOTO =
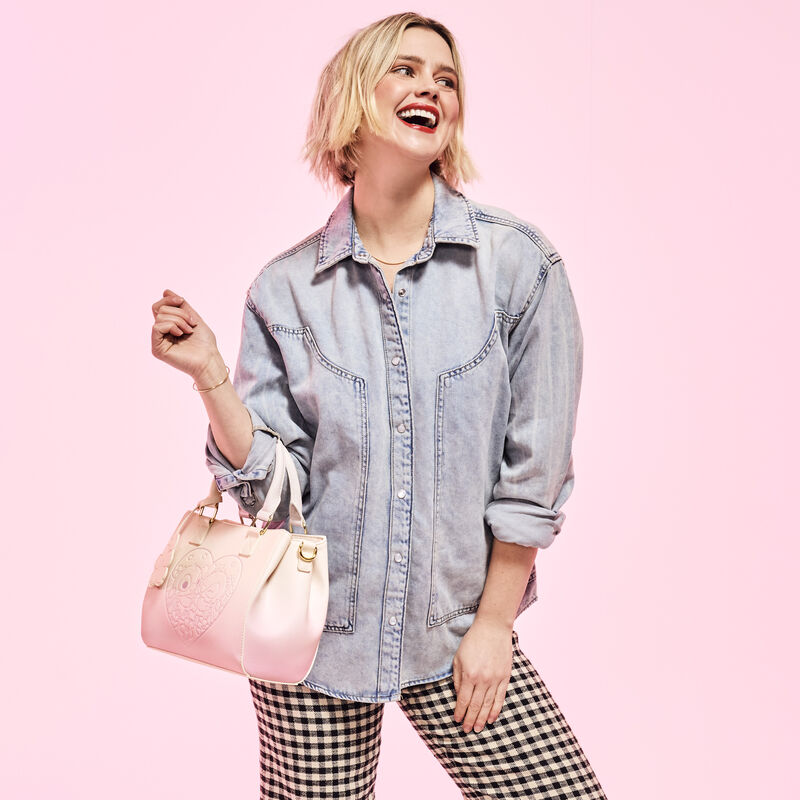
(418, 112)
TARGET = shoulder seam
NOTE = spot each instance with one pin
(303, 243)
(543, 273)
(248, 301)
(539, 280)
(291, 251)
(552, 256)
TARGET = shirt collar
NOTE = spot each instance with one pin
(453, 222)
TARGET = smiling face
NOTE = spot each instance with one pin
(417, 100)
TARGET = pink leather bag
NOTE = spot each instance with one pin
(251, 600)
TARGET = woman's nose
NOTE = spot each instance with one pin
(428, 88)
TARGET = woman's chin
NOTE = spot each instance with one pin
(403, 150)
(415, 152)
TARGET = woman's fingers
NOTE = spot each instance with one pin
(486, 707)
(499, 699)
(175, 311)
(167, 326)
(463, 699)
(194, 317)
(478, 708)
(165, 308)
(179, 321)
(175, 304)
(168, 298)
(179, 336)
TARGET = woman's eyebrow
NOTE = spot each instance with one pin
(418, 60)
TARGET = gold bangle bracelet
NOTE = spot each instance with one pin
(227, 373)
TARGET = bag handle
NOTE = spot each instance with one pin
(283, 466)
(295, 495)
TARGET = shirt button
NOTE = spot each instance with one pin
(401, 494)
(401, 428)
(401, 292)
(393, 620)
(396, 360)
(398, 557)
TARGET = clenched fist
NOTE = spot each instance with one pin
(181, 337)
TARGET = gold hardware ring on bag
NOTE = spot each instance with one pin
(305, 557)
(203, 508)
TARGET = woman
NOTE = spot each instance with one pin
(420, 356)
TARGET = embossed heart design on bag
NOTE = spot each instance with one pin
(198, 589)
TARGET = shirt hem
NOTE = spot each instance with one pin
(394, 696)
(377, 697)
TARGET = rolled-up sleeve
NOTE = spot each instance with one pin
(260, 380)
(545, 354)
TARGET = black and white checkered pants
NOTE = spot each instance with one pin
(322, 747)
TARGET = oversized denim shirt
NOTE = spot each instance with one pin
(424, 423)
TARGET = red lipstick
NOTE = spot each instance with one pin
(432, 109)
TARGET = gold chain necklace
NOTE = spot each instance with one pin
(397, 263)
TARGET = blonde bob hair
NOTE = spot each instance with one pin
(345, 97)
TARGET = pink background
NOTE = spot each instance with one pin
(156, 144)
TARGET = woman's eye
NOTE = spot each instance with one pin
(405, 70)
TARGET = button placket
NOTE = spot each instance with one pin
(399, 393)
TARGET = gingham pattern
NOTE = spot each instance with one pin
(319, 747)
(316, 746)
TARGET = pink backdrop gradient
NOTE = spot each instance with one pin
(151, 145)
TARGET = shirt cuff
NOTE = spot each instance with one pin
(248, 485)
(518, 522)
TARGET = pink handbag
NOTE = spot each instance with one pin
(251, 600)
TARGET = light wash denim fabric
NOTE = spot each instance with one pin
(424, 423)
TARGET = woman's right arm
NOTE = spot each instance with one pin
(182, 339)
(246, 411)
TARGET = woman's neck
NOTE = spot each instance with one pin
(392, 209)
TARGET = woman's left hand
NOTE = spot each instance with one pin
(481, 672)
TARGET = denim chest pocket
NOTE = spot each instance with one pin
(466, 399)
(333, 402)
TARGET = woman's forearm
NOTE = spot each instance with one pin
(509, 569)
(230, 420)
